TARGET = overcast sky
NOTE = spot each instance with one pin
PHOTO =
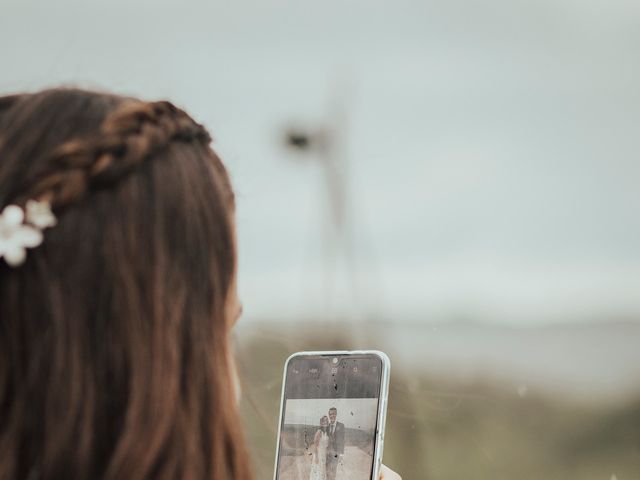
(357, 413)
(491, 146)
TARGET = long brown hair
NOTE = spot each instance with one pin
(114, 354)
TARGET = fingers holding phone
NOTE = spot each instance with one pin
(388, 474)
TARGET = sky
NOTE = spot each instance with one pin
(357, 413)
(488, 149)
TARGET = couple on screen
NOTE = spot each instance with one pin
(328, 445)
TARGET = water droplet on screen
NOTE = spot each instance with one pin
(522, 390)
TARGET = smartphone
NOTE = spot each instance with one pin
(332, 416)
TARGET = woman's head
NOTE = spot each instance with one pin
(114, 359)
(324, 421)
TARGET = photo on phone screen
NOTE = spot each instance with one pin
(329, 418)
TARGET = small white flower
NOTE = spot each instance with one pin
(11, 215)
(39, 214)
(15, 237)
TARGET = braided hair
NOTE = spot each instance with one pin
(126, 138)
(114, 354)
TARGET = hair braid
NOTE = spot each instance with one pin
(127, 137)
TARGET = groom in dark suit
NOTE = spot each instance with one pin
(335, 449)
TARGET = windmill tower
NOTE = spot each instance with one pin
(325, 144)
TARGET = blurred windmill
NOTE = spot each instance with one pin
(324, 143)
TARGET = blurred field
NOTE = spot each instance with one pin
(438, 429)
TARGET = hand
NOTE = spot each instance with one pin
(388, 474)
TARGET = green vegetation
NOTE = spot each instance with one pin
(438, 430)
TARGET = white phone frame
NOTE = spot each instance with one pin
(382, 402)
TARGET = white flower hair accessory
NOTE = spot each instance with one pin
(21, 229)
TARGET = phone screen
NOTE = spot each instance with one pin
(329, 418)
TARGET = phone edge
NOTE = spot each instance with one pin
(382, 403)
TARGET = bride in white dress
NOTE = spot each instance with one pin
(319, 459)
